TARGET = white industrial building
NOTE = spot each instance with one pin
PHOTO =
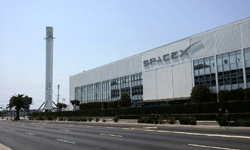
(219, 57)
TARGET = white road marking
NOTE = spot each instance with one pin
(116, 135)
(64, 130)
(202, 134)
(110, 135)
(125, 128)
(214, 147)
(30, 133)
(65, 141)
(109, 127)
(150, 127)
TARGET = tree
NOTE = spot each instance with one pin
(20, 103)
(75, 103)
(60, 106)
(125, 100)
(200, 93)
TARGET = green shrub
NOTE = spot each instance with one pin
(113, 104)
(125, 100)
(247, 93)
(97, 119)
(223, 95)
(40, 118)
(84, 119)
(151, 119)
(201, 93)
(237, 94)
(90, 119)
(223, 117)
(116, 119)
(171, 120)
(61, 119)
(50, 118)
(70, 118)
(145, 119)
(241, 122)
(129, 116)
(187, 120)
(103, 120)
(135, 112)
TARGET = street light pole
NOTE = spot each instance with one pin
(58, 86)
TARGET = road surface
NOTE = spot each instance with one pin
(30, 135)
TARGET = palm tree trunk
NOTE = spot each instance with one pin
(17, 114)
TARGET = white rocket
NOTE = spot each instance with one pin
(49, 69)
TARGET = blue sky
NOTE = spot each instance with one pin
(92, 33)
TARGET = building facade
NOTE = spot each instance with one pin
(219, 58)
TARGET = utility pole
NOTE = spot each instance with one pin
(58, 86)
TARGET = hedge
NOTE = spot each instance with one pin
(232, 107)
(237, 94)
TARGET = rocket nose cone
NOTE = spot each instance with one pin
(48, 28)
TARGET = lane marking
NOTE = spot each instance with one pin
(150, 127)
(30, 133)
(202, 134)
(110, 127)
(214, 147)
(110, 135)
(125, 128)
(65, 141)
(64, 130)
(116, 135)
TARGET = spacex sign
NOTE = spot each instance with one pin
(167, 57)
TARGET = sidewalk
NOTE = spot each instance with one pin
(109, 120)
(3, 147)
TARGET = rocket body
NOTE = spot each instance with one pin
(49, 69)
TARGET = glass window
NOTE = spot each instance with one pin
(248, 78)
(220, 81)
(212, 61)
(207, 64)
(240, 72)
(226, 81)
(234, 80)
(213, 83)
(239, 59)
(213, 76)
(240, 79)
(219, 60)
(247, 54)
(225, 59)
(201, 65)
(239, 56)
(232, 58)
(207, 77)
(220, 75)
(233, 73)
(196, 65)
(226, 74)
(247, 71)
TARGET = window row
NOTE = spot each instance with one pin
(111, 90)
(230, 70)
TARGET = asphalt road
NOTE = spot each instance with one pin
(28, 135)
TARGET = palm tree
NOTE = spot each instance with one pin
(60, 106)
(75, 103)
(19, 102)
